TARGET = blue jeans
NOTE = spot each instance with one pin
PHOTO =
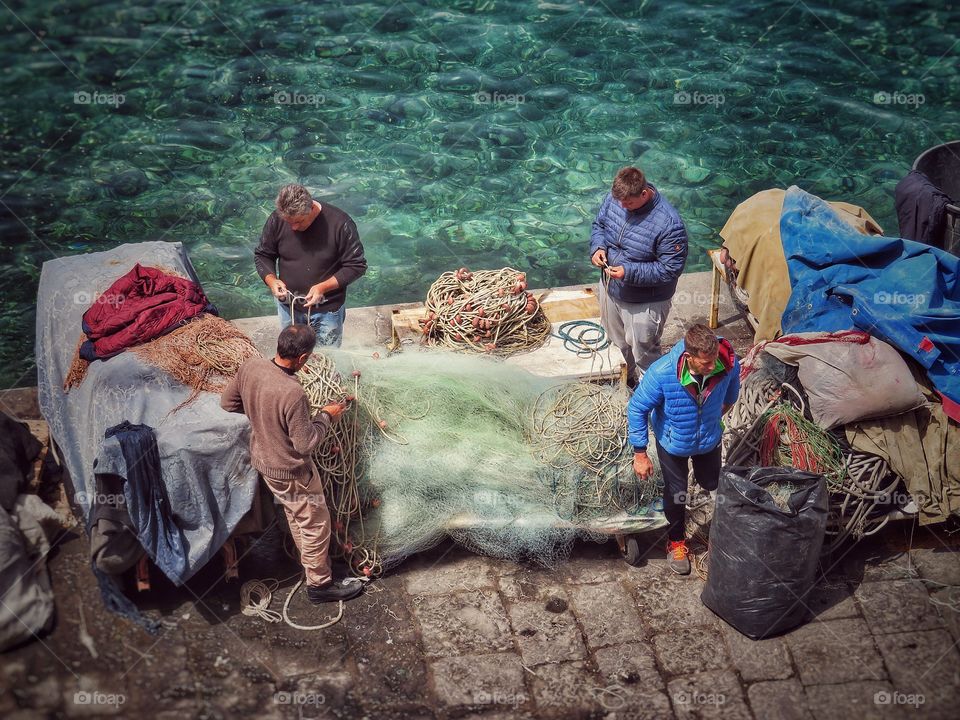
(328, 325)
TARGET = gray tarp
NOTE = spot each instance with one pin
(204, 451)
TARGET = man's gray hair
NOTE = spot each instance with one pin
(294, 200)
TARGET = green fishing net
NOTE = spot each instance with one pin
(440, 444)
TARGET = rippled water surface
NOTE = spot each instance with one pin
(479, 133)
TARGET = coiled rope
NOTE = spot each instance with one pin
(256, 596)
(487, 311)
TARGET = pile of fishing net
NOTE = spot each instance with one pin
(440, 445)
(203, 353)
(768, 426)
(487, 311)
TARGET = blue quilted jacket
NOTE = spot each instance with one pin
(650, 244)
(683, 422)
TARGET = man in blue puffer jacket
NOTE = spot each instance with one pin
(682, 397)
(639, 242)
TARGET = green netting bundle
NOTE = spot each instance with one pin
(443, 444)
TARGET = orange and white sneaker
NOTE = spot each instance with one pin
(678, 557)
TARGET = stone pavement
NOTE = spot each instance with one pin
(449, 634)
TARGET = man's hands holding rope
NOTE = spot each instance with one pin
(599, 258)
(335, 410)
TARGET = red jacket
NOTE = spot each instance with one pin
(139, 307)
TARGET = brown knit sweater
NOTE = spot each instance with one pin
(283, 433)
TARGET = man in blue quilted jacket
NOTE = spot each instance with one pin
(640, 244)
(682, 398)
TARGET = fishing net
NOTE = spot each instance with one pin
(440, 445)
(203, 353)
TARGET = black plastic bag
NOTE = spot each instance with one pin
(763, 558)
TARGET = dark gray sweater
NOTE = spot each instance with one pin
(330, 247)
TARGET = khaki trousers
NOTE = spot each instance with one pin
(309, 521)
(635, 328)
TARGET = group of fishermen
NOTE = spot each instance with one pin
(310, 252)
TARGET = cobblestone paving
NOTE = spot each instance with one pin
(452, 635)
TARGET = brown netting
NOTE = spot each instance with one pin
(78, 367)
(203, 353)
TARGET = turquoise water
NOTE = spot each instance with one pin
(478, 133)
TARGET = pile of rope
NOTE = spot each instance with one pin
(585, 425)
(768, 426)
(203, 353)
(488, 311)
(338, 458)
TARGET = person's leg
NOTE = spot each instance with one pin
(309, 521)
(329, 326)
(706, 469)
(611, 318)
(644, 328)
(313, 519)
(283, 311)
(674, 469)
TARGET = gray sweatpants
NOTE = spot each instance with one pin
(635, 328)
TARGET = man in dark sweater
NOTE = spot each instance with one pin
(308, 254)
(283, 436)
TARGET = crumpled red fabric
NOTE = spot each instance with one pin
(139, 307)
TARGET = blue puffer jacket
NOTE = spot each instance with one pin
(683, 423)
(650, 244)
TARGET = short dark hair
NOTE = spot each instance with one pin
(629, 182)
(700, 340)
(296, 340)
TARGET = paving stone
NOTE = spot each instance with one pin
(947, 603)
(566, 690)
(449, 574)
(633, 664)
(781, 699)
(607, 613)
(832, 600)
(862, 700)
(590, 570)
(526, 585)
(835, 651)
(689, 650)
(461, 623)
(940, 564)
(924, 670)
(758, 659)
(480, 681)
(544, 636)
(665, 604)
(708, 695)
(897, 606)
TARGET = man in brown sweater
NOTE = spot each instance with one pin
(283, 436)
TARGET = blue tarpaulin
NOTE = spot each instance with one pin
(900, 291)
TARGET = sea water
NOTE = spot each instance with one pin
(481, 133)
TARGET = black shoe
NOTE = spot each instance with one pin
(341, 589)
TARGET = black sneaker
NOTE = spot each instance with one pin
(341, 589)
